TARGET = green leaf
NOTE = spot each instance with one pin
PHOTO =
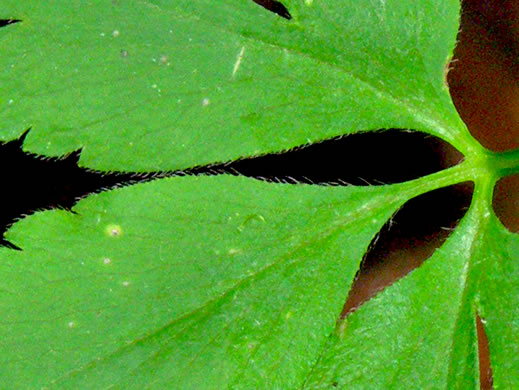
(229, 282)
(154, 85)
(179, 284)
(498, 281)
(424, 323)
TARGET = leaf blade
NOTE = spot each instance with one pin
(419, 332)
(323, 74)
(124, 294)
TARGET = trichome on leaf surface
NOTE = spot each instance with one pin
(208, 277)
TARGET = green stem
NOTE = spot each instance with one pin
(468, 170)
(484, 169)
(506, 163)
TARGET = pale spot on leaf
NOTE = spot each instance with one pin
(114, 230)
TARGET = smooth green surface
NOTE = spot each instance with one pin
(184, 295)
(227, 282)
(155, 85)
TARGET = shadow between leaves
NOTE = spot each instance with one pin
(408, 239)
(275, 7)
(33, 183)
(505, 202)
(485, 368)
(7, 22)
(361, 159)
(369, 158)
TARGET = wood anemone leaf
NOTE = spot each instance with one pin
(228, 282)
(147, 80)
(180, 285)
(419, 326)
